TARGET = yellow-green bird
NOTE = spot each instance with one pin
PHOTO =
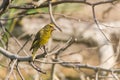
(41, 38)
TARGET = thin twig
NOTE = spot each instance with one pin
(4, 6)
(97, 75)
(57, 62)
(5, 45)
(96, 22)
(19, 72)
(24, 45)
(16, 41)
(117, 50)
(69, 43)
(61, 49)
(52, 72)
(51, 15)
(11, 70)
(78, 65)
(37, 68)
(114, 76)
(4, 66)
(16, 61)
(29, 14)
(38, 3)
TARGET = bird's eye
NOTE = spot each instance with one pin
(50, 26)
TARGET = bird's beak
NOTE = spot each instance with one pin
(53, 29)
(57, 28)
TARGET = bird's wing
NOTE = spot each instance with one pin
(37, 39)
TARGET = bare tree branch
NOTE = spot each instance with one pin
(51, 15)
(16, 40)
(79, 65)
(11, 70)
(19, 72)
(96, 75)
(15, 56)
(4, 5)
(69, 43)
(96, 22)
(37, 68)
(61, 2)
(114, 76)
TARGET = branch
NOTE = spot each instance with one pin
(13, 56)
(17, 41)
(4, 6)
(96, 22)
(60, 50)
(28, 6)
(11, 70)
(79, 65)
(19, 72)
(69, 43)
(95, 68)
(19, 58)
(51, 15)
(37, 68)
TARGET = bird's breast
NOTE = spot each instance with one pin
(45, 38)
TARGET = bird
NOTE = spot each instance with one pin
(41, 38)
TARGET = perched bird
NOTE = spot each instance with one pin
(41, 38)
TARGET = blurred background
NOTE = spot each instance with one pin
(75, 20)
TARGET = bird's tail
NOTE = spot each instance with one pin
(34, 54)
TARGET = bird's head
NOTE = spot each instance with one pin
(51, 27)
